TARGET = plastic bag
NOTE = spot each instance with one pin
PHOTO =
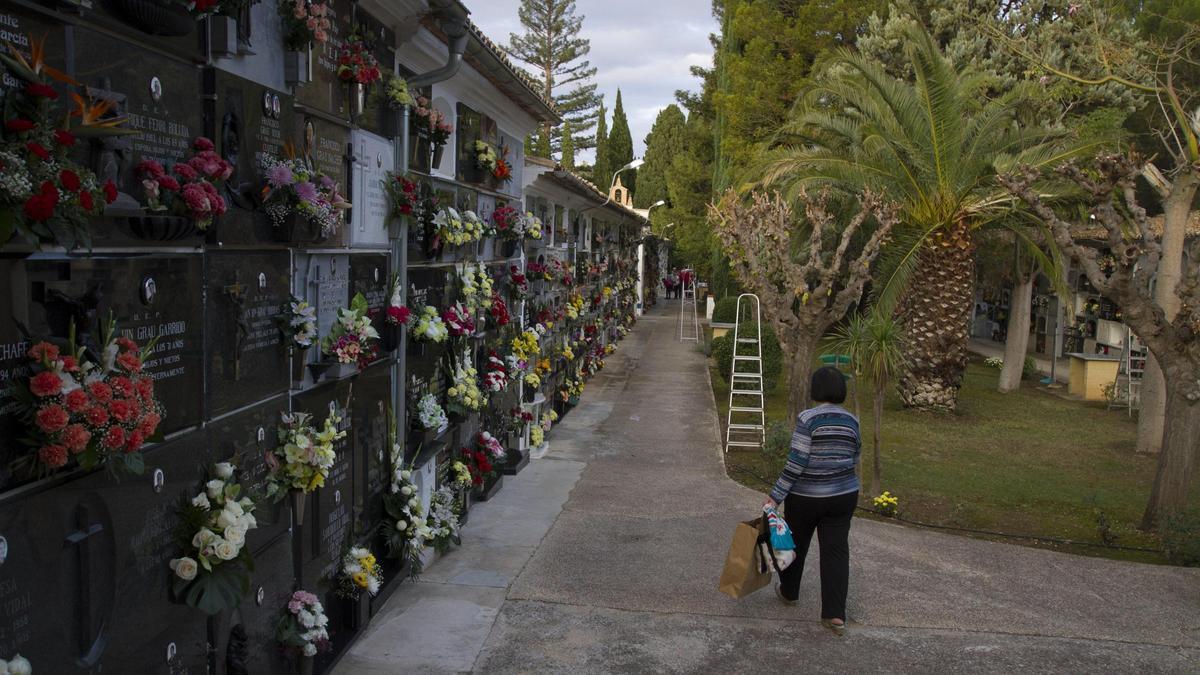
(776, 542)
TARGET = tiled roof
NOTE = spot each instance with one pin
(519, 73)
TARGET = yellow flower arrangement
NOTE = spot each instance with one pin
(567, 353)
(887, 504)
(525, 345)
(536, 436)
(543, 367)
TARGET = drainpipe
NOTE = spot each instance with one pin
(454, 25)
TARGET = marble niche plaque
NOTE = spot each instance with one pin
(373, 158)
(371, 405)
(375, 115)
(323, 145)
(150, 297)
(245, 438)
(270, 589)
(326, 93)
(426, 286)
(249, 295)
(369, 276)
(22, 28)
(252, 123)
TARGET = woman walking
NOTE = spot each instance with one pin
(819, 490)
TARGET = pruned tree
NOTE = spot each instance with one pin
(1173, 337)
(808, 271)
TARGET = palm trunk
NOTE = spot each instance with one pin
(1016, 344)
(1153, 397)
(936, 312)
(877, 473)
(1177, 463)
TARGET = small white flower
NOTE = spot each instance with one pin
(19, 665)
(215, 488)
(306, 618)
(406, 474)
(235, 534)
(406, 490)
(225, 550)
(224, 470)
(372, 585)
(401, 525)
(310, 649)
(202, 538)
(185, 568)
(201, 500)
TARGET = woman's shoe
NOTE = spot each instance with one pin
(838, 629)
(779, 592)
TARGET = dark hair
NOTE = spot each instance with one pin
(828, 386)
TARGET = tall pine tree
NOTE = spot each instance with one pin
(664, 142)
(568, 147)
(619, 146)
(601, 173)
(552, 47)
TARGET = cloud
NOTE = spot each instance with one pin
(644, 47)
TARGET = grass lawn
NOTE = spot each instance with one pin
(1030, 463)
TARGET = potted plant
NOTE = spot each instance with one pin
(301, 462)
(304, 205)
(351, 344)
(303, 23)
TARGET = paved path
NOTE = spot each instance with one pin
(604, 557)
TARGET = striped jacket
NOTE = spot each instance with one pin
(825, 450)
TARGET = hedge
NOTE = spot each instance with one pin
(772, 354)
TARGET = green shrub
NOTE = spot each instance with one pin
(772, 354)
(1030, 370)
(725, 310)
(779, 439)
(1181, 538)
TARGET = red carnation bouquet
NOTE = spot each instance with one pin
(357, 64)
(192, 191)
(480, 466)
(98, 408)
(403, 193)
(507, 221)
(499, 311)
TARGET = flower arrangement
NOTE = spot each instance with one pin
(429, 326)
(548, 420)
(495, 376)
(887, 504)
(574, 306)
(430, 415)
(537, 436)
(503, 170)
(352, 337)
(304, 22)
(45, 195)
(567, 353)
(480, 465)
(443, 518)
(476, 286)
(360, 572)
(499, 311)
(455, 229)
(533, 380)
(488, 443)
(408, 532)
(428, 121)
(299, 324)
(17, 665)
(507, 222)
(302, 627)
(398, 313)
(525, 346)
(460, 475)
(292, 187)
(464, 395)
(356, 63)
(518, 283)
(304, 455)
(192, 191)
(403, 193)
(994, 362)
(98, 408)
(574, 387)
(538, 271)
(395, 91)
(458, 320)
(532, 226)
(214, 572)
(485, 156)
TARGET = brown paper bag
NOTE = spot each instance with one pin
(742, 574)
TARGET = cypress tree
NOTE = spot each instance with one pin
(601, 174)
(664, 142)
(551, 46)
(568, 147)
(619, 147)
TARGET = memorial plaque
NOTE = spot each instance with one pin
(373, 158)
(272, 581)
(426, 286)
(329, 522)
(326, 93)
(248, 293)
(323, 146)
(371, 405)
(244, 438)
(150, 297)
(369, 276)
(252, 123)
(377, 116)
(324, 280)
(22, 29)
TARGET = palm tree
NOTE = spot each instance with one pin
(934, 145)
(875, 343)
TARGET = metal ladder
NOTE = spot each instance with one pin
(746, 401)
(689, 330)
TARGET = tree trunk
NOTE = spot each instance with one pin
(799, 375)
(877, 473)
(1176, 210)
(936, 312)
(1177, 463)
(1016, 344)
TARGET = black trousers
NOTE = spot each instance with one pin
(830, 517)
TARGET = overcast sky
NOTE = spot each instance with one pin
(645, 47)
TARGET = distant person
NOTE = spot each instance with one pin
(819, 491)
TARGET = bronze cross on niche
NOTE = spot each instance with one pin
(236, 292)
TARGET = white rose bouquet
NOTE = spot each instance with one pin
(430, 415)
(214, 572)
(17, 665)
(406, 531)
(303, 626)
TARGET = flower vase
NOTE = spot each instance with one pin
(298, 499)
(304, 665)
(296, 229)
(332, 370)
(298, 363)
(219, 626)
(358, 98)
(223, 35)
(156, 17)
(391, 336)
(508, 248)
(437, 156)
(152, 227)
